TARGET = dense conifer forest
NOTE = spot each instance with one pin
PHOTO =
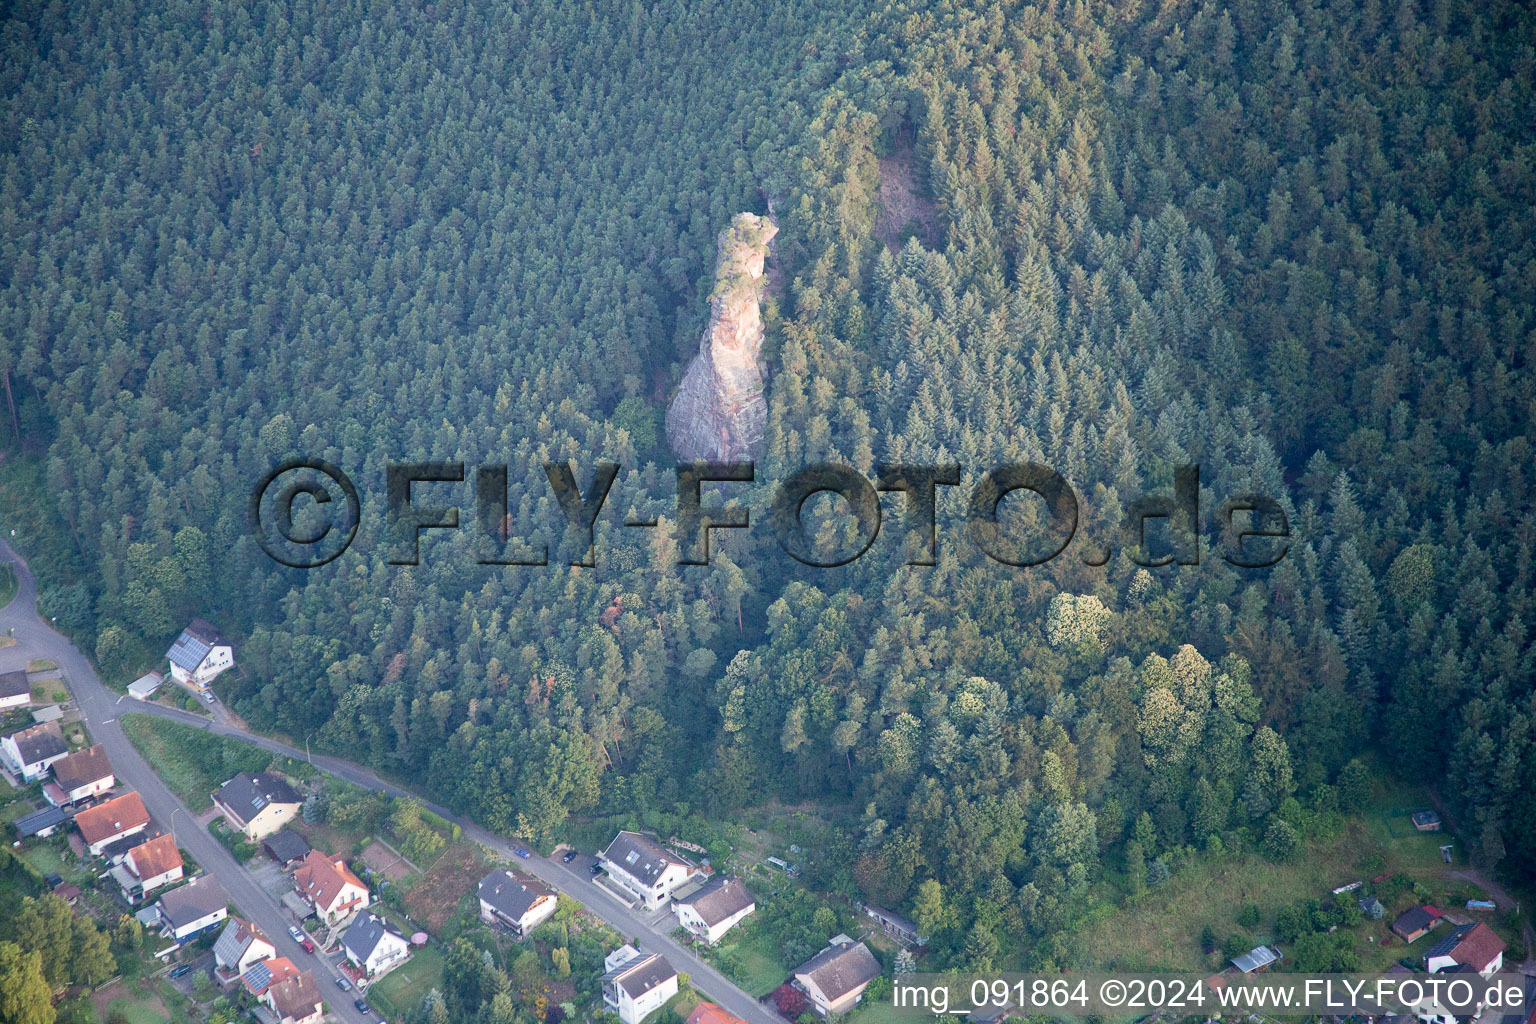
(1290, 242)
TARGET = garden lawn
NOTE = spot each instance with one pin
(403, 989)
(753, 966)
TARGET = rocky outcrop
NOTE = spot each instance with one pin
(719, 412)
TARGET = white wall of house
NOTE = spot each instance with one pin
(1435, 964)
(97, 847)
(100, 786)
(19, 700)
(11, 755)
(633, 1011)
(653, 896)
(689, 918)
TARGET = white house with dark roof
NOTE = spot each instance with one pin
(240, 945)
(199, 655)
(714, 909)
(15, 691)
(515, 902)
(80, 776)
(31, 752)
(635, 984)
(373, 946)
(835, 979)
(258, 803)
(643, 869)
(189, 910)
(1473, 946)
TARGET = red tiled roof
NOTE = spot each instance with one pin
(321, 878)
(156, 857)
(1433, 911)
(709, 1013)
(1479, 947)
(111, 818)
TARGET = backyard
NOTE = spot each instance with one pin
(404, 988)
(434, 898)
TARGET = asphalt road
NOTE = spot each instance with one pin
(100, 708)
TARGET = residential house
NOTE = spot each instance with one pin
(80, 776)
(296, 1000)
(714, 909)
(31, 752)
(1475, 946)
(643, 869)
(1413, 924)
(636, 984)
(1257, 960)
(240, 945)
(896, 926)
(710, 1013)
(199, 654)
(149, 866)
(257, 803)
(330, 888)
(285, 846)
(515, 902)
(835, 979)
(263, 974)
(189, 910)
(145, 686)
(110, 821)
(15, 691)
(42, 824)
(373, 946)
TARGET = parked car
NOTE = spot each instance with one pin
(361, 1004)
(568, 856)
(307, 946)
(344, 984)
(208, 696)
(298, 936)
(597, 868)
(523, 853)
(182, 969)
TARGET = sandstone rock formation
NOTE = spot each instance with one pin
(719, 412)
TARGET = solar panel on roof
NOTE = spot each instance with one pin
(259, 975)
(188, 652)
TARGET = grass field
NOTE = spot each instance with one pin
(433, 899)
(1162, 932)
(44, 858)
(7, 584)
(750, 963)
(194, 762)
(403, 989)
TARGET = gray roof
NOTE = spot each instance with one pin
(14, 684)
(841, 968)
(40, 742)
(32, 824)
(286, 845)
(247, 794)
(639, 976)
(640, 857)
(82, 768)
(235, 939)
(1446, 945)
(719, 898)
(198, 898)
(367, 931)
(1415, 919)
(511, 894)
(1258, 956)
(193, 645)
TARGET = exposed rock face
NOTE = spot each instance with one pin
(719, 412)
